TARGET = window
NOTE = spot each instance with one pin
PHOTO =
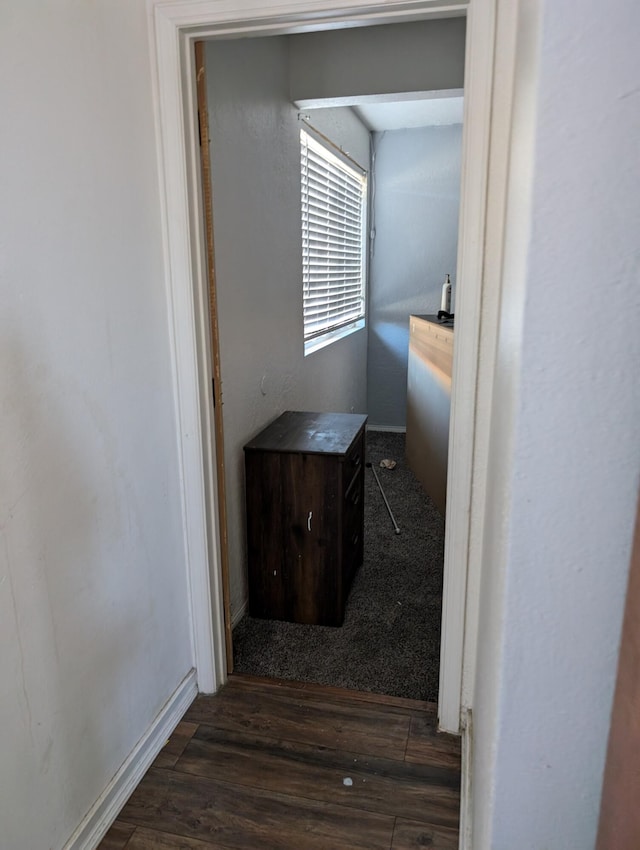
(334, 196)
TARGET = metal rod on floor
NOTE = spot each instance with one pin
(393, 519)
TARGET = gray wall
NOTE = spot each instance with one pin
(94, 608)
(564, 467)
(419, 56)
(417, 193)
(255, 152)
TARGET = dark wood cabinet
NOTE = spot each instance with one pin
(305, 501)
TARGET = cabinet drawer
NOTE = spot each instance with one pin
(353, 497)
(353, 462)
(352, 543)
(353, 528)
(433, 344)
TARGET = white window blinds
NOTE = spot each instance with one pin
(333, 238)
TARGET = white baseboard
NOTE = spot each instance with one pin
(239, 614)
(104, 811)
(391, 429)
(466, 832)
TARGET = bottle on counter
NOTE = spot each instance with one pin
(445, 302)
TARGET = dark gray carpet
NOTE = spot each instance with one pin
(390, 640)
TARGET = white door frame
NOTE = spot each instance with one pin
(174, 26)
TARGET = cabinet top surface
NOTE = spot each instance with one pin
(310, 433)
(432, 319)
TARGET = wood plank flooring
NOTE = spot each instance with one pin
(274, 765)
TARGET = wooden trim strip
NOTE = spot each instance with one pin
(207, 200)
(293, 688)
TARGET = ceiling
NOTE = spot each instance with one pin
(406, 114)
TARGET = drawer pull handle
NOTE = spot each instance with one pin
(309, 520)
(356, 460)
(355, 538)
(355, 497)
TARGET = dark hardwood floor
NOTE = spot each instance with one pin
(271, 765)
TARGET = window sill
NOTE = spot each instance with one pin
(319, 342)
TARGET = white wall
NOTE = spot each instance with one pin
(392, 58)
(94, 629)
(417, 200)
(565, 464)
(255, 153)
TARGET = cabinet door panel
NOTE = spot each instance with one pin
(266, 564)
(311, 515)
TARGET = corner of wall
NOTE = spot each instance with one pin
(102, 814)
